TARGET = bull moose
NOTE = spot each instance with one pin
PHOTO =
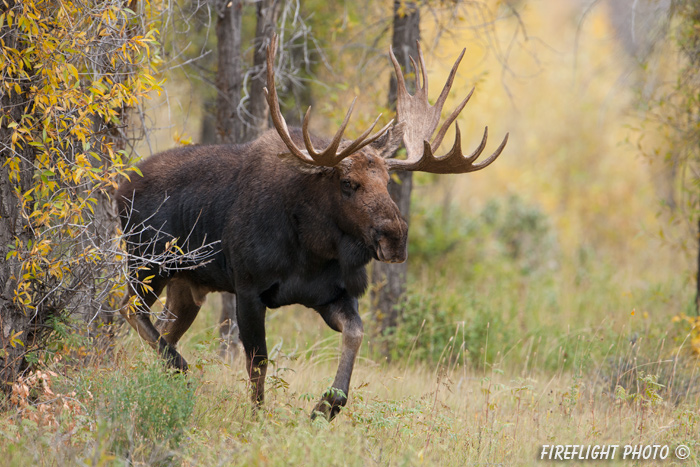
(290, 223)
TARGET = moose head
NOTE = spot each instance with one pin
(362, 166)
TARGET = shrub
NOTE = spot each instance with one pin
(507, 232)
(523, 232)
(440, 327)
(148, 407)
(489, 259)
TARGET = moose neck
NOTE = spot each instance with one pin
(320, 233)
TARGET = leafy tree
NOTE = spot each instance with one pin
(673, 110)
(686, 124)
(70, 73)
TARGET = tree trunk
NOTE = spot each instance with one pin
(229, 72)
(19, 328)
(267, 12)
(390, 279)
(230, 128)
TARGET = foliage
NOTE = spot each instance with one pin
(523, 233)
(36, 401)
(396, 415)
(74, 70)
(150, 406)
(673, 113)
(449, 328)
(506, 229)
(436, 232)
(691, 328)
(142, 413)
(507, 237)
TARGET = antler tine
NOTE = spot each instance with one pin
(400, 82)
(423, 70)
(480, 148)
(458, 163)
(330, 156)
(454, 161)
(485, 163)
(448, 85)
(361, 142)
(421, 118)
(419, 70)
(273, 102)
(448, 121)
(305, 132)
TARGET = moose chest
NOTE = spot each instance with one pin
(294, 254)
(311, 287)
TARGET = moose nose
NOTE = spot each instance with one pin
(392, 241)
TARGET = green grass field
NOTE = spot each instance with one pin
(492, 362)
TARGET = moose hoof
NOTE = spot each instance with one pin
(330, 405)
(176, 361)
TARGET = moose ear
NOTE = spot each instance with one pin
(390, 141)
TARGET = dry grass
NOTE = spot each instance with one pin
(399, 413)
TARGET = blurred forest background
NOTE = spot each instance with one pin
(550, 298)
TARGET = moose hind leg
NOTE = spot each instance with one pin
(342, 316)
(139, 319)
(182, 305)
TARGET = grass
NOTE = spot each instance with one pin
(495, 392)
(496, 356)
(397, 416)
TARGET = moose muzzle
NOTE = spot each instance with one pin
(392, 242)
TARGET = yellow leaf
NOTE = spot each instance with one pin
(14, 339)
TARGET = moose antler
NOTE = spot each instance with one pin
(330, 156)
(421, 121)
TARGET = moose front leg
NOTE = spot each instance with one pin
(251, 325)
(341, 316)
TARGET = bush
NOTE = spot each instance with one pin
(445, 328)
(490, 259)
(149, 407)
(523, 232)
(507, 231)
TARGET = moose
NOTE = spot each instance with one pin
(290, 224)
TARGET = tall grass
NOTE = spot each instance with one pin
(494, 358)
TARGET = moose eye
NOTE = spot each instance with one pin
(348, 187)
